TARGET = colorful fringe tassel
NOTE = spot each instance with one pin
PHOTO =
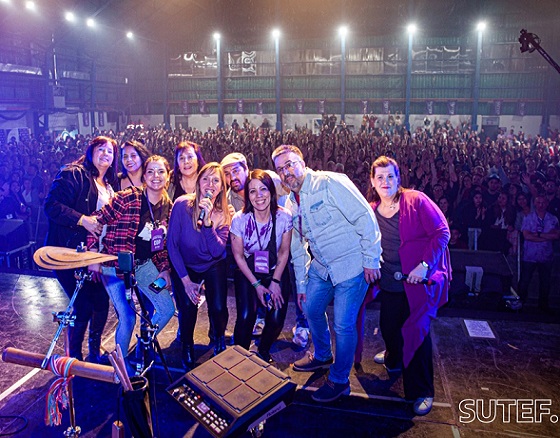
(58, 392)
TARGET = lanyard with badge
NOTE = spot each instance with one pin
(262, 265)
(157, 232)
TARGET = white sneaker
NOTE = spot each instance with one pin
(423, 405)
(259, 326)
(301, 336)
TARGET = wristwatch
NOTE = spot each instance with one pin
(423, 263)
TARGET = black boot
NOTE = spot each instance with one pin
(264, 355)
(96, 327)
(220, 345)
(187, 355)
(76, 339)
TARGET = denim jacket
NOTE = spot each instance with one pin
(338, 226)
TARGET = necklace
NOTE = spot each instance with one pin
(392, 206)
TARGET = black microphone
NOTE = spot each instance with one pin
(200, 219)
(400, 276)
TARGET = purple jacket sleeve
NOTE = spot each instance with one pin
(435, 225)
(216, 239)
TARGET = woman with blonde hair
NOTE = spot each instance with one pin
(198, 232)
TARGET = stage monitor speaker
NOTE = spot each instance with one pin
(233, 392)
(14, 233)
(498, 275)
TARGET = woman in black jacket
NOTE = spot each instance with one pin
(79, 189)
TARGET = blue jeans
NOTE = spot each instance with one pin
(348, 297)
(161, 302)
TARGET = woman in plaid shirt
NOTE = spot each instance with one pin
(137, 221)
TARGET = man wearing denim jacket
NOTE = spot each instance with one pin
(336, 249)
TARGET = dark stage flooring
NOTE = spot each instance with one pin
(521, 364)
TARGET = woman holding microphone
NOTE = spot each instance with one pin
(414, 238)
(198, 231)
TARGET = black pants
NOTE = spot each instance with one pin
(215, 283)
(92, 304)
(91, 298)
(545, 271)
(418, 376)
(247, 302)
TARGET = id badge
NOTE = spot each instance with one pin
(261, 262)
(157, 240)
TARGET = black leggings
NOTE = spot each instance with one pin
(247, 302)
(418, 377)
(215, 283)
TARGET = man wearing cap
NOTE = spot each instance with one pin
(236, 172)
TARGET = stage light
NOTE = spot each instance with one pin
(30, 6)
(5, 1)
(217, 36)
(342, 31)
(90, 22)
(411, 28)
(129, 35)
(70, 17)
(481, 26)
(276, 34)
(528, 41)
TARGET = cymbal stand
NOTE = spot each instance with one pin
(64, 320)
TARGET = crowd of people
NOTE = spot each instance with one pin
(297, 225)
(455, 158)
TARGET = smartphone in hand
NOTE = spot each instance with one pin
(158, 285)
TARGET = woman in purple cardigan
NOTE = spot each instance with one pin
(196, 243)
(414, 237)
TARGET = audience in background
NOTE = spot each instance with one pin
(449, 163)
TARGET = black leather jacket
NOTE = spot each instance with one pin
(72, 194)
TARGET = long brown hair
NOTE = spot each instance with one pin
(268, 182)
(221, 203)
(165, 163)
(384, 161)
(176, 174)
(86, 160)
(140, 149)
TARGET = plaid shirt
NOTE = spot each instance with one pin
(122, 217)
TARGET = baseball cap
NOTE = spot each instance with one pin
(233, 158)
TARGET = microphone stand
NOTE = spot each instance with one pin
(64, 320)
(147, 340)
(147, 343)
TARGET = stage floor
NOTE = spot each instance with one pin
(521, 364)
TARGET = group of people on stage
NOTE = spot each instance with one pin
(293, 230)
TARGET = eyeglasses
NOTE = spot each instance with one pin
(288, 166)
